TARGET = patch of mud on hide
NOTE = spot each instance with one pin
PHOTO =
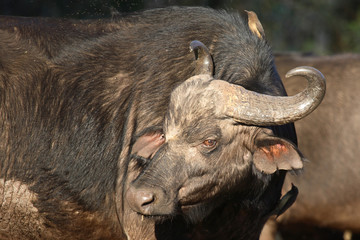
(19, 218)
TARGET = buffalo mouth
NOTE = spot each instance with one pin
(197, 199)
(150, 201)
(155, 201)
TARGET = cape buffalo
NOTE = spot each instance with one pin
(329, 139)
(80, 119)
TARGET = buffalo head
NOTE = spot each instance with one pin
(216, 142)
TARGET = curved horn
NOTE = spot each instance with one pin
(259, 109)
(204, 62)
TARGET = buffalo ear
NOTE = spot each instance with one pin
(273, 153)
(255, 25)
(147, 144)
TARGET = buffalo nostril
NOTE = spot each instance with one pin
(140, 200)
(144, 198)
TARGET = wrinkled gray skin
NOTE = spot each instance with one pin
(329, 138)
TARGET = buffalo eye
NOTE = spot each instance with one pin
(209, 143)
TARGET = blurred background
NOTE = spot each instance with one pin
(320, 27)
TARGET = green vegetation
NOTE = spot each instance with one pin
(320, 27)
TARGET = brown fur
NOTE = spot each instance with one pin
(67, 129)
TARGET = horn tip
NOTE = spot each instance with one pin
(304, 70)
